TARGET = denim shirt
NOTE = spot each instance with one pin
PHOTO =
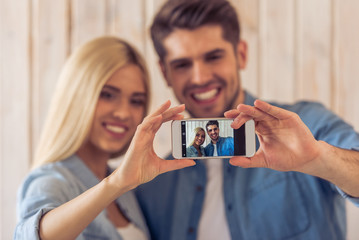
(259, 203)
(191, 151)
(53, 184)
(225, 147)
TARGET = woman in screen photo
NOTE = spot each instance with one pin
(97, 108)
(195, 149)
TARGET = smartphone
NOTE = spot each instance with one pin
(201, 138)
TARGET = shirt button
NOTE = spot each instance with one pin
(199, 188)
(229, 207)
(190, 230)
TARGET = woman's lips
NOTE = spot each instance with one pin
(116, 130)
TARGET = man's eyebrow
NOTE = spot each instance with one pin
(214, 51)
(184, 59)
(179, 60)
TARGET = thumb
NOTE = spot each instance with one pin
(170, 165)
(257, 161)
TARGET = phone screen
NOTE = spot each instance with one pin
(211, 138)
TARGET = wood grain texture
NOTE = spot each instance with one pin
(15, 106)
(298, 50)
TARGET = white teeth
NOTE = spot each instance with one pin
(115, 129)
(206, 95)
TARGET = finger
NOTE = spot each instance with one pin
(240, 120)
(177, 117)
(232, 113)
(173, 112)
(274, 111)
(170, 165)
(256, 113)
(257, 161)
(161, 109)
(150, 123)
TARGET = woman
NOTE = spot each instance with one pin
(195, 149)
(101, 98)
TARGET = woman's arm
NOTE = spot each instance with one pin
(70, 219)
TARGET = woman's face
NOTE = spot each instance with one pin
(199, 138)
(120, 108)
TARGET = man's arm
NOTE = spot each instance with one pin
(286, 144)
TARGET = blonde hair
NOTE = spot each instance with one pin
(73, 105)
(195, 131)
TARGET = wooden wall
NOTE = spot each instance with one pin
(298, 49)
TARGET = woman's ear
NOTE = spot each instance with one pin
(242, 53)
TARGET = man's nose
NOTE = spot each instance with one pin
(201, 73)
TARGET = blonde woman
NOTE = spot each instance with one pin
(100, 101)
(195, 149)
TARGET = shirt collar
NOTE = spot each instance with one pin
(249, 98)
(79, 169)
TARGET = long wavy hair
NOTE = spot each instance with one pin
(195, 131)
(72, 109)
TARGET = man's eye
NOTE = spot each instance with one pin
(214, 57)
(182, 65)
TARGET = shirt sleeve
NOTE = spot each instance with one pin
(328, 127)
(42, 191)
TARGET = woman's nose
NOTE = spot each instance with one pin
(122, 112)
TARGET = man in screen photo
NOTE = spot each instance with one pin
(219, 146)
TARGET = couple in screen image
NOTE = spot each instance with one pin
(218, 146)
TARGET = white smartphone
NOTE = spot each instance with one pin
(201, 138)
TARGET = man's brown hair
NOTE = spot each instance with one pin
(192, 14)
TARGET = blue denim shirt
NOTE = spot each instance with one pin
(259, 203)
(51, 185)
(191, 151)
(225, 147)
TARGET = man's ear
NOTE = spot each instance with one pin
(242, 54)
(164, 72)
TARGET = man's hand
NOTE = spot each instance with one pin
(286, 144)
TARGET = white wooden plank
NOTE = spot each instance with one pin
(15, 113)
(127, 20)
(88, 20)
(314, 49)
(347, 84)
(248, 11)
(50, 50)
(276, 52)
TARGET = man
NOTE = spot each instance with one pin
(219, 146)
(306, 163)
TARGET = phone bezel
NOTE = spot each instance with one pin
(176, 141)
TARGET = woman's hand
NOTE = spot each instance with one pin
(141, 164)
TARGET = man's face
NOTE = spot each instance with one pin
(213, 132)
(202, 68)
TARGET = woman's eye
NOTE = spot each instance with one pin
(138, 102)
(106, 95)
